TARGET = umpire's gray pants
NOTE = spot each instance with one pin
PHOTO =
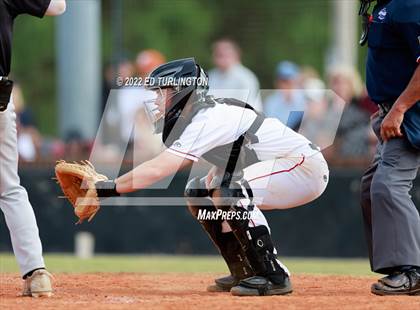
(392, 222)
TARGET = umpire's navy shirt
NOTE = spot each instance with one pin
(9, 9)
(394, 48)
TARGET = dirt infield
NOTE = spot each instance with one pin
(187, 291)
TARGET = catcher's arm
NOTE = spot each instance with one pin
(150, 172)
(86, 198)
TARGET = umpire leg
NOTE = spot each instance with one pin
(365, 201)
(394, 219)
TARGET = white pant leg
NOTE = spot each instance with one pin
(14, 203)
(287, 182)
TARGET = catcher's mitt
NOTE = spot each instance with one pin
(77, 180)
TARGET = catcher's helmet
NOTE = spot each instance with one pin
(175, 83)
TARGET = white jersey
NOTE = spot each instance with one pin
(224, 124)
(291, 171)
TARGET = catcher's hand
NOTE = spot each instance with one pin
(78, 182)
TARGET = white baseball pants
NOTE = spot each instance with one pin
(14, 202)
(285, 183)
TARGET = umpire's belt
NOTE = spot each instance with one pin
(384, 107)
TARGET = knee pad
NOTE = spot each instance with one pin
(195, 193)
(226, 192)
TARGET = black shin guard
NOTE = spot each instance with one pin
(256, 242)
(226, 243)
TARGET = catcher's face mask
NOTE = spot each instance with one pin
(155, 108)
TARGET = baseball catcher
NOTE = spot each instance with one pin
(259, 164)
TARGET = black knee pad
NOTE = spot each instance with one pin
(195, 193)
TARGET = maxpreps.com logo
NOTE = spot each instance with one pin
(382, 14)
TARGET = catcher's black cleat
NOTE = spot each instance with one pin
(403, 283)
(261, 286)
(223, 284)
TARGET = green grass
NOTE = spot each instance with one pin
(160, 264)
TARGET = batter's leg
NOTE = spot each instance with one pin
(14, 203)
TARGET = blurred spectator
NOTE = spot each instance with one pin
(288, 97)
(318, 121)
(147, 61)
(366, 103)
(131, 99)
(354, 129)
(108, 83)
(230, 78)
(124, 106)
(113, 116)
(308, 74)
(123, 70)
(29, 139)
(346, 82)
(76, 148)
(146, 143)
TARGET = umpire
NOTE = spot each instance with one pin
(392, 222)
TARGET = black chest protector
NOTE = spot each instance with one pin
(233, 156)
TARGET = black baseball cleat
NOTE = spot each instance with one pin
(404, 283)
(223, 284)
(261, 286)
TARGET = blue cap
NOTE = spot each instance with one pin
(287, 70)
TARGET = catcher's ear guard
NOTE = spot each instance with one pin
(6, 87)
